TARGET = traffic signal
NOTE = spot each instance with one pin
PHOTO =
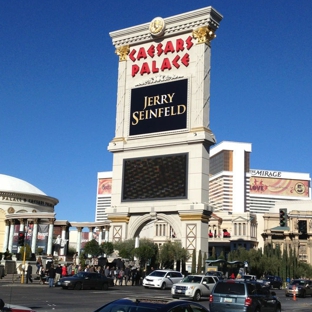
(283, 217)
(21, 238)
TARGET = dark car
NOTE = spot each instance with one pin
(151, 305)
(241, 295)
(86, 280)
(275, 281)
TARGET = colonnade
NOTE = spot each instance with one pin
(10, 230)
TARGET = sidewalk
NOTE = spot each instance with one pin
(15, 279)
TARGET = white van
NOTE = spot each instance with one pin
(162, 279)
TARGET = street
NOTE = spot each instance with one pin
(43, 299)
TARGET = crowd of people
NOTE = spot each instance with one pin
(51, 273)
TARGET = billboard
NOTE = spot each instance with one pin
(105, 186)
(158, 108)
(159, 177)
(279, 187)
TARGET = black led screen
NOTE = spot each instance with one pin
(159, 107)
(150, 178)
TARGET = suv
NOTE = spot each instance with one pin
(275, 281)
(162, 279)
(194, 286)
(300, 287)
(240, 295)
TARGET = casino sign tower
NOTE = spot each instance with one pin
(162, 134)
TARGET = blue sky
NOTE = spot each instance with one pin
(58, 82)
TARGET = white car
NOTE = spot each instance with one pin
(162, 279)
(194, 286)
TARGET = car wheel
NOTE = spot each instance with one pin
(146, 287)
(278, 309)
(78, 286)
(303, 294)
(197, 296)
(104, 286)
(163, 286)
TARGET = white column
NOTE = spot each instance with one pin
(6, 235)
(11, 235)
(78, 247)
(136, 245)
(50, 238)
(100, 234)
(63, 242)
(34, 236)
(106, 234)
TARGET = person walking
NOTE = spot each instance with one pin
(28, 273)
(51, 275)
(127, 275)
(58, 273)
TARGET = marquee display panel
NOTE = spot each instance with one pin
(150, 178)
(158, 108)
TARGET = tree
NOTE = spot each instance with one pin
(107, 248)
(194, 261)
(199, 262)
(167, 255)
(92, 248)
(145, 251)
(125, 248)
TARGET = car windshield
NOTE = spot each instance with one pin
(191, 279)
(298, 282)
(80, 275)
(158, 273)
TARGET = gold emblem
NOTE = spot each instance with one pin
(300, 188)
(157, 26)
(11, 210)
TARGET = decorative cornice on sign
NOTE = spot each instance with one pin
(175, 25)
(122, 52)
(203, 35)
(194, 217)
(159, 78)
(118, 219)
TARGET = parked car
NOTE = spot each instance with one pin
(275, 281)
(86, 280)
(13, 308)
(241, 295)
(301, 287)
(162, 279)
(194, 287)
(152, 305)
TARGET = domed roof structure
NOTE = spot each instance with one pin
(11, 184)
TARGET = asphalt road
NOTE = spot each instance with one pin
(43, 299)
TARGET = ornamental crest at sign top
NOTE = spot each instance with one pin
(122, 52)
(203, 35)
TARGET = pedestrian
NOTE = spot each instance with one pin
(134, 273)
(28, 273)
(69, 269)
(42, 274)
(51, 275)
(64, 270)
(38, 263)
(127, 275)
(121, 276)
(116, 273)
(107, 272)
(58, 273)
